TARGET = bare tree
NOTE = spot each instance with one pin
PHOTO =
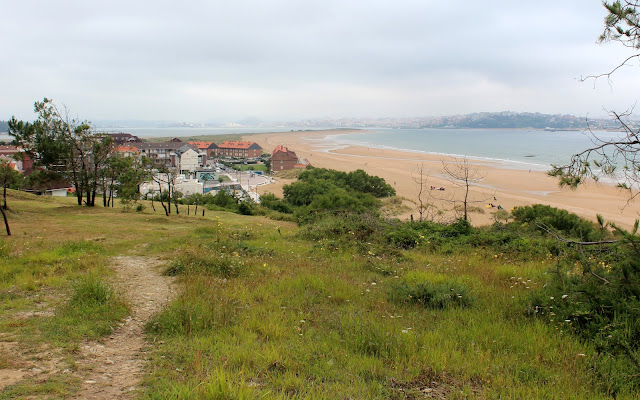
(618, 157)
(425, 205)
(463, 176)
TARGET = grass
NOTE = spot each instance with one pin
(264, 312)
(251, 167)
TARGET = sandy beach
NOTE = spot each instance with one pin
(499, 186)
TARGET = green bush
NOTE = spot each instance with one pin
(194, 262)
(91, 291)
(270, 201)
(344, 226)
(245, 208)
(562, 221)
(196, 310)
(595, 293)
(419, 289)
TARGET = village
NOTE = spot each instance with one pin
(191, 167)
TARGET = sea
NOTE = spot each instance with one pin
(505, 148)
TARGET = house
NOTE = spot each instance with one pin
(208, 149)
(127, 150)
(16, 156)
(239, 149)
(124, 138)
(188, 159)
(160, 153)
(282, 159)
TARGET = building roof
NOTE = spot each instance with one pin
(159, 146)
(283, 153)
(203, 145)
(241, 145)
(8, 149)
(121, 137)
(126, 149)
(185, 148)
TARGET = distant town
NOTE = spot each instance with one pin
(486, 120)
(482, 120)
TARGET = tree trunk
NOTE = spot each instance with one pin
(4, 197)
(162, 201)
(169, 195)
(6, 222)
(79, 193)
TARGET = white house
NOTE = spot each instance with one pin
(188, 159)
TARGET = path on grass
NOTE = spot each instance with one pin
(111, 368)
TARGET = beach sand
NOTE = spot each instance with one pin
(509, 187)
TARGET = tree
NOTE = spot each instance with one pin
(618, 158)
(8, 177)
(460, 173)
(420, 177)
(65, 146)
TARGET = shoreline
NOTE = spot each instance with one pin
(510, 187)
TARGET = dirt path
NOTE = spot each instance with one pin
(112, 367)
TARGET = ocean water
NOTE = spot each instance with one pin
(517, 148)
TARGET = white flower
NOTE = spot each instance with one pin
(564, 296)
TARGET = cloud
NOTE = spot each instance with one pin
(199, 60)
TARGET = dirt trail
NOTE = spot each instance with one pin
(111, 368)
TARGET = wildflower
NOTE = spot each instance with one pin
(551, 297)
(564, 296)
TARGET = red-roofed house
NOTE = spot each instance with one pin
(207, 149)
(21, 160)
(283, 159)
(239, 149)
(127, 151)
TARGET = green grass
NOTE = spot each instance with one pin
(250, 167)
(264, 312)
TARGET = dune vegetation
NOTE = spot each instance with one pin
(301, 300)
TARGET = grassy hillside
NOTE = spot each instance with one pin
(265, 309)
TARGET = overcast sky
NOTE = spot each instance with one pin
(290, 59)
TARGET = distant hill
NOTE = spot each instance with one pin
(494, 120)
(4, 126)
(512, 120)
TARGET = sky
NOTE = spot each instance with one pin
(213, 60)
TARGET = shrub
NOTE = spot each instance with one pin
(91, 290)
(245, 208)
(419, 289)
(221, 265)
(270, 201)
(596, 294)
(196, 310)
(563, 221)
